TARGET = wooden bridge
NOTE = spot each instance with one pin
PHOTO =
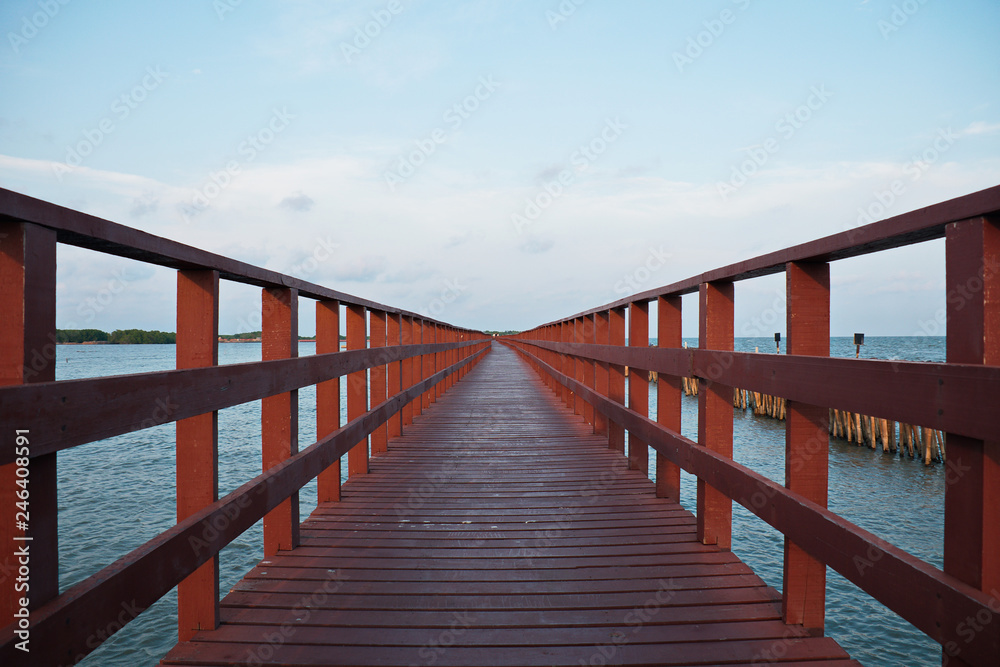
(493, 514)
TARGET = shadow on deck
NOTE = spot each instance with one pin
(500, 531)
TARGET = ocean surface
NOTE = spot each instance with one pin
(118, 493)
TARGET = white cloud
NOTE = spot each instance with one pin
(401, 248)
(980, 127)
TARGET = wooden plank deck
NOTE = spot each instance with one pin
(499, 531)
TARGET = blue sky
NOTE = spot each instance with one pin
(500, 164)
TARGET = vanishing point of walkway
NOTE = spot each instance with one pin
(499, 531)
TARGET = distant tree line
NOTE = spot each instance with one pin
(81, 336)
(249, 335)
(118, 336)
(139, 337)
(503, 333)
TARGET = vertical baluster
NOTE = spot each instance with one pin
(430, 337)
(576, 327)
(668, 395)
(807, 439)
(406, 367)
(357, 389)
(28, 355)
(601, 336)
(377, 376)
(437, 359)
(972, 489)
(715, 409)
(393, 336)
(588, 368)
(566, 361)
(197, 443)
(419, 338)
(280, 413)
(328, 396)
(638, 384)
(616, 377)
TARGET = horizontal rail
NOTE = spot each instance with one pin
(924, 224)
(920, 593)
(947, 397)
(88, 231)
(143, 576)
(69, 413)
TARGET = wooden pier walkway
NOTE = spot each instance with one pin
(499, 531)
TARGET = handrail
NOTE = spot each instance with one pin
(946, 397)
(70, 413)
(925, 224)
(94, 233)
(397, 361)
(583, 359)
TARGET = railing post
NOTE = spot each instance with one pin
(638, 384)
(616, 377)
(453, 355)
(328, 396)
(576, 327)
(197, 443)
(280, 413)
(715, 409)
(393, 333)
(566, 368)
(28, 355)
(357, 389)
(668, 395)
(807, 439)
(406, 367)
(435, 391)
(419, 365)
(972, 478)
(588, 368)
(601, 369)
(430, 337)
(377, 377)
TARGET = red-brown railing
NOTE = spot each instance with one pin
(583, 358)
(411, 359)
